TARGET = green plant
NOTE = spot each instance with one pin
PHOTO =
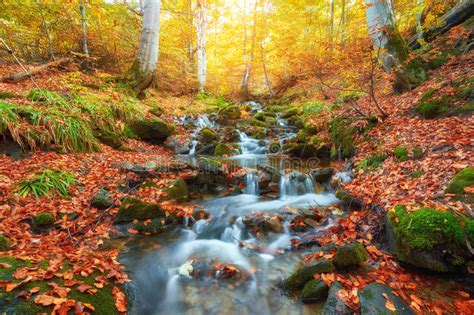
(461, 180)
(371, 162)
(401, 154)
(314, 107)
(45, 183)
(342, 136)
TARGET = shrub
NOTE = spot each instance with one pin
(46, 182)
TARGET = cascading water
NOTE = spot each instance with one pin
(203, 121)
(251, 183)
(295, 184)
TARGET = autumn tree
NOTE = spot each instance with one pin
(143, 69)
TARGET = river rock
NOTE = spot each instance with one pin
(374, 296)
(298, 279)
(177, 190)
(323, 175)
(132, 208)
(334, 304)
(274, 224)
(102, 200)
(154, 131)
(350, 255)
(314, 291)
(179, 144)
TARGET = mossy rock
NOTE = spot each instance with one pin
(157, 110)
(334, 304)
(151, 227)
(256, 123)
(177, 190)
(314, 291)
(342, 136)
(289, 112)
(298, 279)
(429, 239)
(307, 150)
(374, 296)
(207, 135)
(270, 120)
(275, 108)
(461, 180)
(350, 255)
(259, 133)
(43, 219)
(223, 149)
(296, 121)
(111, 139)
(372, 162)
(102, 200)
(135, 209)
(432, 109)
(401, 154)
(209, 165)
(231, 112)
(154, 131)
(4, 243)
(437, 61)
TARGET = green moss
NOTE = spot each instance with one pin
(132, 209)
(111, 139)
(43, 219)
(222, 149)
(177, 190)
(432, 109)
(470, 230)
(416, 174)
(310, 129)
(209, 165)
(428, 230)
(207, 135)
(154, 131)
(301, 136)
(275, 108)
(350, 255)
(342, 136)
(417, 152)
(461, 180)
(342, 195)
(4, 243)
(401, 153)
(314, 291)
(231, 112)
(437, 61)
(290, 112)
(315, 140)
(102, 199)
(372, 162)
(428, 95)
(298, 279)
(313, 107)
(5, 95)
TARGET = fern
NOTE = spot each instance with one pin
(45, 183)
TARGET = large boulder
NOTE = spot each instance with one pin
(461, 180)
(350, 255)
(223, 149)
(177, 190)
(430, 239)
(135, 209)
(154, 131)
(298, 279)
(306, 150)
(375, 296)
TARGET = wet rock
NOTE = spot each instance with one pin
(314, 291)
(154, 131)
(209, 165)
(207, 135)
(230, 113)
(102, 200)
(311, 222)
(274, 224)
(374, 296)
(306, 150)
(132, 208)
(177, 190)
(264, 180)
(323, 175)
(274, 187)
(179, 144)
(199, 214)
(334, 304)
(350, 255)
(223, 149)
(111, 139)
(298, 279)
(347, 200)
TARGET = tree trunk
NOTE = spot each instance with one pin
(262, 50)
(201, 27)
(248, 68)
(457, 15)
(331, 23)
(343, 23)
(143, 69)
(46, 30)
(391, 48)
(419, 27)
(85, 49)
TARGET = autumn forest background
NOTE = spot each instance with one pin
(236, 156)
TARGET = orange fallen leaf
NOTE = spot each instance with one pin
(389, 305)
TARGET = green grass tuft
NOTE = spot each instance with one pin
(45, 183)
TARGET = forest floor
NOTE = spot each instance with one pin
(69, 267)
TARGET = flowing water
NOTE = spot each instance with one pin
(224, 265)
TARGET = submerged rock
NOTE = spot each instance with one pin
(314, 291)
(350, 255)
(374, 296)
(298, 279)
(102, 200)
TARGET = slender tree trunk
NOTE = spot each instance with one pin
(245, 57)
(85, 49)
(343, 23)
(46, 30)
(248, 68)
(391, 48)
(201, 26)
(331, 23)
(262, 50)
(190, 46)
(419, 27)
(143, 69)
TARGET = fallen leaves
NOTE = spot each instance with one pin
(120, 300)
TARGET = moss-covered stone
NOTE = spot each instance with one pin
(310, 129)
(373, 161)
(102, 199)
(298, 279)
(177, 190)
(207, 135)
(401, 154)
(209, 165)
(314, 291)
(306, 150)
(302, 136)
(350, 255)
(154, 131)
(342, 136)
(135, 209)
(111, 139)
(43, 219)
(231, 112)
(432, 109)
(461, 180)
(4, 243)
(223, 149)
(428, 238)
(290, 112)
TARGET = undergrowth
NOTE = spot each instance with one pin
(45, 183)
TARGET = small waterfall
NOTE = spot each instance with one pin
(250, 145)
(282, 122)
(192, 150)
(254, 105)
(173, 291)
(287, 187)
(203, 122)
(251, 183)
(294, 184)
